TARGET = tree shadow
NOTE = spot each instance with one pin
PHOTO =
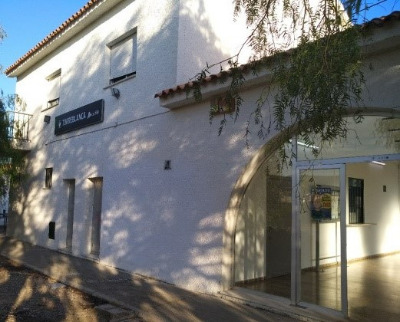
(167, 224)
(30, 296)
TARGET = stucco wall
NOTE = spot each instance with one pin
(208, 34)
(163, 223)
(382, 211)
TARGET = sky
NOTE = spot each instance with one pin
(27, 22)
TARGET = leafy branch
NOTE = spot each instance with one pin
(313, 53)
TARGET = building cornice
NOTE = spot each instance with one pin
(90, 12)
(213, 84)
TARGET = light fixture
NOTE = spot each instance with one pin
(314, 147)
(115, 92)
(378, 162)
(47, 119)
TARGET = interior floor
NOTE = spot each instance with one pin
(373, 288)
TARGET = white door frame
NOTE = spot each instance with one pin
(298, 166)
(339, 163)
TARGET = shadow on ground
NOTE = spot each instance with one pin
(151, 299)
(26, 295)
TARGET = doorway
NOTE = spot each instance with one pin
(360, 220)
(97, 189)
(70, 183)
(322, 245)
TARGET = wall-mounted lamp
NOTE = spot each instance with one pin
(47, 119)
(115, 92)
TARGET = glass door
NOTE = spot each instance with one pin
(321, 226)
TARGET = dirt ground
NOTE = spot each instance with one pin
(29, 296)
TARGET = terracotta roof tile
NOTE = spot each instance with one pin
(49, 38)
(376, 22)
(209, 79)
(379, 22)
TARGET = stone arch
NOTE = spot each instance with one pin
(232, 211)
(243, 182)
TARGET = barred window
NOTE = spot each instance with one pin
(356, 201)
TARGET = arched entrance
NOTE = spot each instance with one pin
(278, 244)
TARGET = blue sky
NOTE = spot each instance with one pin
(27, 22)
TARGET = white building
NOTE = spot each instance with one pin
(145, 184)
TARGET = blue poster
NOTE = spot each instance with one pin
(321, 203)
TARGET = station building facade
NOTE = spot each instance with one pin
(124, 167)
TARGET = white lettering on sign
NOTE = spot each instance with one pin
(97, 112)
(72, 119)
(81, 117)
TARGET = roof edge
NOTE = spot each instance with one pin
(71, 22)
(168, 97)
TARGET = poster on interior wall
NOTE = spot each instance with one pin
(86, 115)
(321, 203)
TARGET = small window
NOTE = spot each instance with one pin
(53, 94)
(48, 178)
(52, 230)
(222, 105)
(123, 57)
(356, 201)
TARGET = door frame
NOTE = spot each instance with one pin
(97, 200)
(296, 227)
(70, 185)
(338, 163)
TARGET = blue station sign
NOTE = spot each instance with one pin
(87, 115)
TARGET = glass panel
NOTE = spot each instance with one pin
(374, 136)
(320, 237)
(373, 248)
(263, 231)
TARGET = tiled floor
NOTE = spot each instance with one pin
(373, 288)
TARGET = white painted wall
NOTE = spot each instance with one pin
(382, 211)
(251, 229)
(167, 224)
(208, 34)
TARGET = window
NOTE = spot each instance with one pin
(53, 94)
(123, 57)
(48, 178)
(356, 201)
(222, 105)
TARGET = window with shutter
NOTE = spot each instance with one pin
(123, 57)
(53, 93)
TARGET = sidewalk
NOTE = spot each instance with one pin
(152, 300)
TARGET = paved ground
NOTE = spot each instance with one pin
(26, 295)
(150, 299)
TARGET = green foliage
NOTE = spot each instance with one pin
(312, 49)
(11, 159)
(320, 79)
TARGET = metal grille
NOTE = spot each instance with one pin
(356, 201)
(18, 125)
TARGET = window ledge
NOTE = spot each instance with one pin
(120, 81)
(48, 108)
